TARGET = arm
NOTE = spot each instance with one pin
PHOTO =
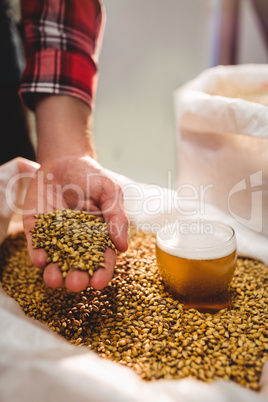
(66, 154)
(63, 125)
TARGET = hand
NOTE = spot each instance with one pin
(76, 182)
(71, 178)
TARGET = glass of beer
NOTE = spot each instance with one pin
(196, 259)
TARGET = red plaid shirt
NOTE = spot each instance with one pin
(61, 37)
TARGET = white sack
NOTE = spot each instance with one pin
(223, 146)
(38, 365)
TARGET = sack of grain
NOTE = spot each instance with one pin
(28, 349)
(222, 137)
(64, 372)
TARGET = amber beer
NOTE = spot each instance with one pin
(197, 262)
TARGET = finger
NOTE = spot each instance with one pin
(103, 276)
(37, 256)
(52, 276)
(118, 232)
(76, 281)
(113, 210)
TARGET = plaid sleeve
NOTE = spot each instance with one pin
(61, 43)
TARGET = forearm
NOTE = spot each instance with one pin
(63, 127)
(60, 76)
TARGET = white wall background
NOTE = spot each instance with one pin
(150, 48)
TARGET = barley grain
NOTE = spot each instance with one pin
(134, 322)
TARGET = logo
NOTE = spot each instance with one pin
(255, 220)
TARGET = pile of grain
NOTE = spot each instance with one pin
(134, 322)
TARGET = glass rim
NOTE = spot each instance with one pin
(230, 238)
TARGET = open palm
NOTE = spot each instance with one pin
(76, 182)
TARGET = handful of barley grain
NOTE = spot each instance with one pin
(73, 239)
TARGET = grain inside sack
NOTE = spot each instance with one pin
(134, 322)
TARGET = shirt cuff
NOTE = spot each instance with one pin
(57, 72)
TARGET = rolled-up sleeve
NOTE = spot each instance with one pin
(62, 40)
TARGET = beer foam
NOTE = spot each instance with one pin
(191, 240)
